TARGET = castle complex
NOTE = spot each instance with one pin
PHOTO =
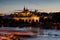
(26, 15)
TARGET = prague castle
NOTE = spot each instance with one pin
(26, 15)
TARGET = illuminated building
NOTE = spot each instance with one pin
(45, 17)
(26, 15)
(1, 14)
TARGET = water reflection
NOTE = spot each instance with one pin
(49, 35)
(42, 34)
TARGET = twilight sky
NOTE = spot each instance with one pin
(41, 5)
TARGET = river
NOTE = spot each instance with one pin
(51, 35)
(48, 35)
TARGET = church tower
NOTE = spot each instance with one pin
(24, 8)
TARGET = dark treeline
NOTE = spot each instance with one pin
(47, 21)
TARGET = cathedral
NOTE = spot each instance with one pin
(26, 15)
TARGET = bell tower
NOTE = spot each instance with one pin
(24, 8)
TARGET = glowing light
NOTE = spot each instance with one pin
(17, 13)
(26, 16)
(45, 17)
(16, 18)
(30, 27)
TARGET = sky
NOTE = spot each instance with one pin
(41, 5)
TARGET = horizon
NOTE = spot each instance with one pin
(7, 6)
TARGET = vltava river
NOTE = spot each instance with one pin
(53, 35)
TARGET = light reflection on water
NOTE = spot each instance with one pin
(53, 35)
(48, 35)
(42, 38)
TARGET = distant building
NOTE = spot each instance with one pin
(26, 15)
(1, 14)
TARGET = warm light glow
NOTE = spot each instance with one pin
(45, 17)
(17, 13)
(16, 18)
(26, 15)
(30, 27)
(1, 14)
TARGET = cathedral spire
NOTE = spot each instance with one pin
(24, 8)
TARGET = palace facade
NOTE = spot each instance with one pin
(26, 15)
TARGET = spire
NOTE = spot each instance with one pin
(24, 8)
(36, 10)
